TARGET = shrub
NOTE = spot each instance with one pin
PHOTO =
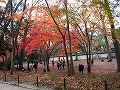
(1, 65)
(8, 65)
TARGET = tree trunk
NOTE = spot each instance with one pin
(115, 41)
(117, 52)
(105, 37)
(66, 55)
(89, 58)
(76, 56)
(88, 62)
(88, 46)
(17, 56)
(41, 56)
(107, 48)
(63, 37)
(47, 62)
(13, 43)
(28, 62)
(5, 66)
(47, 65)
(69, 37)
(13, 59)
(21, 59)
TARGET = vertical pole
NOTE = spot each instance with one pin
(37, 81)
(5, 77)
(18, 79)
(64, 84)
(105, 85)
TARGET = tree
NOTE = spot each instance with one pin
(7, 24)
(13, 23)
(105, 5)
(63, 37)
(85, 23)
(42, 37)
(69, 37)
(14, 36)
(115, 41)
(24, 23)
(104, 29)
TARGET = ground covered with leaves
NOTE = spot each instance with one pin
(101, 72)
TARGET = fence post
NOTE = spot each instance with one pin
(105, 84)
(64, 84)
(37, 81)
(5, 77)
(18, 79)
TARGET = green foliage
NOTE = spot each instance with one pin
(67, 11)
(96, 2)
(100, 41)
(1, 65)
(117, 33)
(8, 65)
(82, 49)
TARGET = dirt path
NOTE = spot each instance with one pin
(6, 86)
(98, 66)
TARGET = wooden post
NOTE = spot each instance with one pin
(18, 79)
(105, 85)
(5, 77)
(64, 84)
(37, 81)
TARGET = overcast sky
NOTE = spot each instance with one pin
(69, 1)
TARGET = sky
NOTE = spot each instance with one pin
(69, 1)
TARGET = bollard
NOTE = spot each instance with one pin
(64, 84)
(5, 77)
(18, 79)
(105, 84)
(37, 81)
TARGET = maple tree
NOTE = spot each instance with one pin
(69, 66)
(14, 36)
(63, 37)
(87, 32)
(55, 19)
(42, 37)
(52, 27)
(116, 43)
(23, 19)
(12, 23)
(103, 27)
(106, 7)
(95, 25)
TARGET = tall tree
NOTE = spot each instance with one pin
(14, 33)
(115, 41)
(84, 23)
(104, 32)
(63, 37)
(69, 37)
(13, 39)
